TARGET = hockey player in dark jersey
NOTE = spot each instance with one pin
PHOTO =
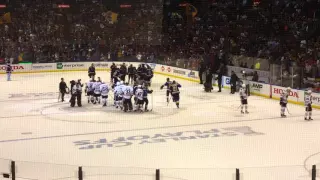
(123, 72)
(92, 71)
(168, 85)
(130, 74)
(141, 72)
(9, 70)
(175, 93)
(113, 67)
(148, 76)
(115, 77)
(146, 91)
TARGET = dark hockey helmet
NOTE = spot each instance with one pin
(168, 79)
(173, 82)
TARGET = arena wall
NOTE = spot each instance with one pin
(259, 89)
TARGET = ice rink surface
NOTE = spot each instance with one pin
(207, 138)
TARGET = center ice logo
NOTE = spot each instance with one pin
(165, 137)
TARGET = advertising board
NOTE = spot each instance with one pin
(39, 67)
(16, 68)
(70, 66)
(294, 95)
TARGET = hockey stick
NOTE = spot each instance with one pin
(151, 102)
(59, 96)
(288, 110)
(169, 100)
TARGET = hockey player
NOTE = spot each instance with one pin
(116, 76)
(89, 90)
(284, 100)
(244, 99)
(104, 89)
(119, 95)
(76, 93)
(131, 74)
(139, 97)
(142, 71)
(168, 85)
(146, 91)
(113, 67)
(115, 98)
(9, 70)
(92, 71)
(127, 94)
(307, 103)
(97, 92)
(123, 72)
(148, 76)
(175, 93)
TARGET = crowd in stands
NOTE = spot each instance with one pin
(285, 32)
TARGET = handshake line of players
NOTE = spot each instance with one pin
(98, 91)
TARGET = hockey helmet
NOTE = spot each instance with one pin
(243, 85)
(118, 83)
(173, 82)
(121, 82)
(139, 86)
(309, 91)
(288, 88)
(168, 79)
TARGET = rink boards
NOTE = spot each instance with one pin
(259, 89)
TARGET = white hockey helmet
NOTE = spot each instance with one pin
(309, 91)
(139, 86)
(118, 83)
(121, 82)
(288, 88)
(243, 85)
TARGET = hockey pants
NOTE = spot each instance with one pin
(146, 102)
(127, 104)
(79, 100)
(73, 100)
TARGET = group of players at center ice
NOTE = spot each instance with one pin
(98, 91)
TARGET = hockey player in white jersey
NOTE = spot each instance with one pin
(89, 90)
(104, 89)
(127, 95)
(284, 101)
(244, 99)
(97, 92)
(115, 93)
(119, 95)
(308, 103)
(139, 97)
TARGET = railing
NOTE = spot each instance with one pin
(20, 170)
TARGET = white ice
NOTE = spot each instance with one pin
(207, 138)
